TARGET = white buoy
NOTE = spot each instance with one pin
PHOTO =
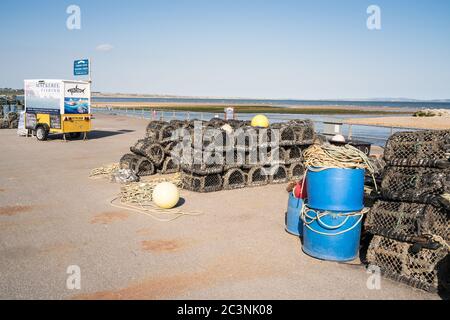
(338, 138)
(166, 195)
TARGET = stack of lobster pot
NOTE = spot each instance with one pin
(233, 155)
(153, 154)
(410, 223)
(9, 120)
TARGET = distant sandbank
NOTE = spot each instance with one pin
(257, 108)
(433, 123)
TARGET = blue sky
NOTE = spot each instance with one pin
(234, 48)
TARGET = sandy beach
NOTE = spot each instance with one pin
(436, 123)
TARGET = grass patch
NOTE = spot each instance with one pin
(245, 109)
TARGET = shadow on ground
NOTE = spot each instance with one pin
(93, 135)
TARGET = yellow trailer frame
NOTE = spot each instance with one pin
(72, 124)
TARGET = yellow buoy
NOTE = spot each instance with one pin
(260, 121)
(166, 195)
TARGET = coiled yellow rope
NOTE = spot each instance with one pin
(330, 156)
(322, 157)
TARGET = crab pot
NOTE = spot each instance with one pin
(287, 136)
(296, 171)
(332, 236)
(293, 154)
(257, 176)
(234, 179)
(144, 167)
(170, 166)
(196, 183)
(155, 152)
(294, 224)
(128, 161)
(335, 189)
(278, 174)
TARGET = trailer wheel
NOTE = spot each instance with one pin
(41, 133)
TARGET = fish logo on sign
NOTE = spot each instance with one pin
(75, 90)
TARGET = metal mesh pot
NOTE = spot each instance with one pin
(424, 269)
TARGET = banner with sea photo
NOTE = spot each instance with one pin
(76, 105)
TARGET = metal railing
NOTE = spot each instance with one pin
(375, 134)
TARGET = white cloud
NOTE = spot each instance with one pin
(104, 47)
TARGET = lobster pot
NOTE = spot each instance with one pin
(128, 161)
(335, 189)
(415, 184)
(196, 183)
(277, 174)
(423, 269)
(234, 179)
(417, 148)
(406, 221)
(257, 176)
(294, 224)
(332, 236)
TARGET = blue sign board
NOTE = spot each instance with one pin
(81, 67)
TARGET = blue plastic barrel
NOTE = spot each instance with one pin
(294, 225)
(332, 236)
(335, 189)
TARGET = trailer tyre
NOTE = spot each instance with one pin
(41, 133)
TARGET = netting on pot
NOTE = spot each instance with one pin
(153, 129)
(4, 124)
(197, 183)
(287, 136)
(423, 269)
(234, 179)
(128, 161)
(246, 138)
(405, 221)
(257, 176)
(421, 148)
(178, 124)
(233, 159)
(304, 131)
(415, 184)
(296, 171)
(143, 167)
(139, 147)
(277, 174)
(269, 137)
(202, 162)
(216, 140)
(292, 154)
(165, 133)
(155, 153)
(170, 166)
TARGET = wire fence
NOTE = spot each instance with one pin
(374, 134)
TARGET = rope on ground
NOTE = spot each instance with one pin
(105, 171)
(137, 197)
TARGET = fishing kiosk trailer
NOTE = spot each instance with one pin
(57, 106)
